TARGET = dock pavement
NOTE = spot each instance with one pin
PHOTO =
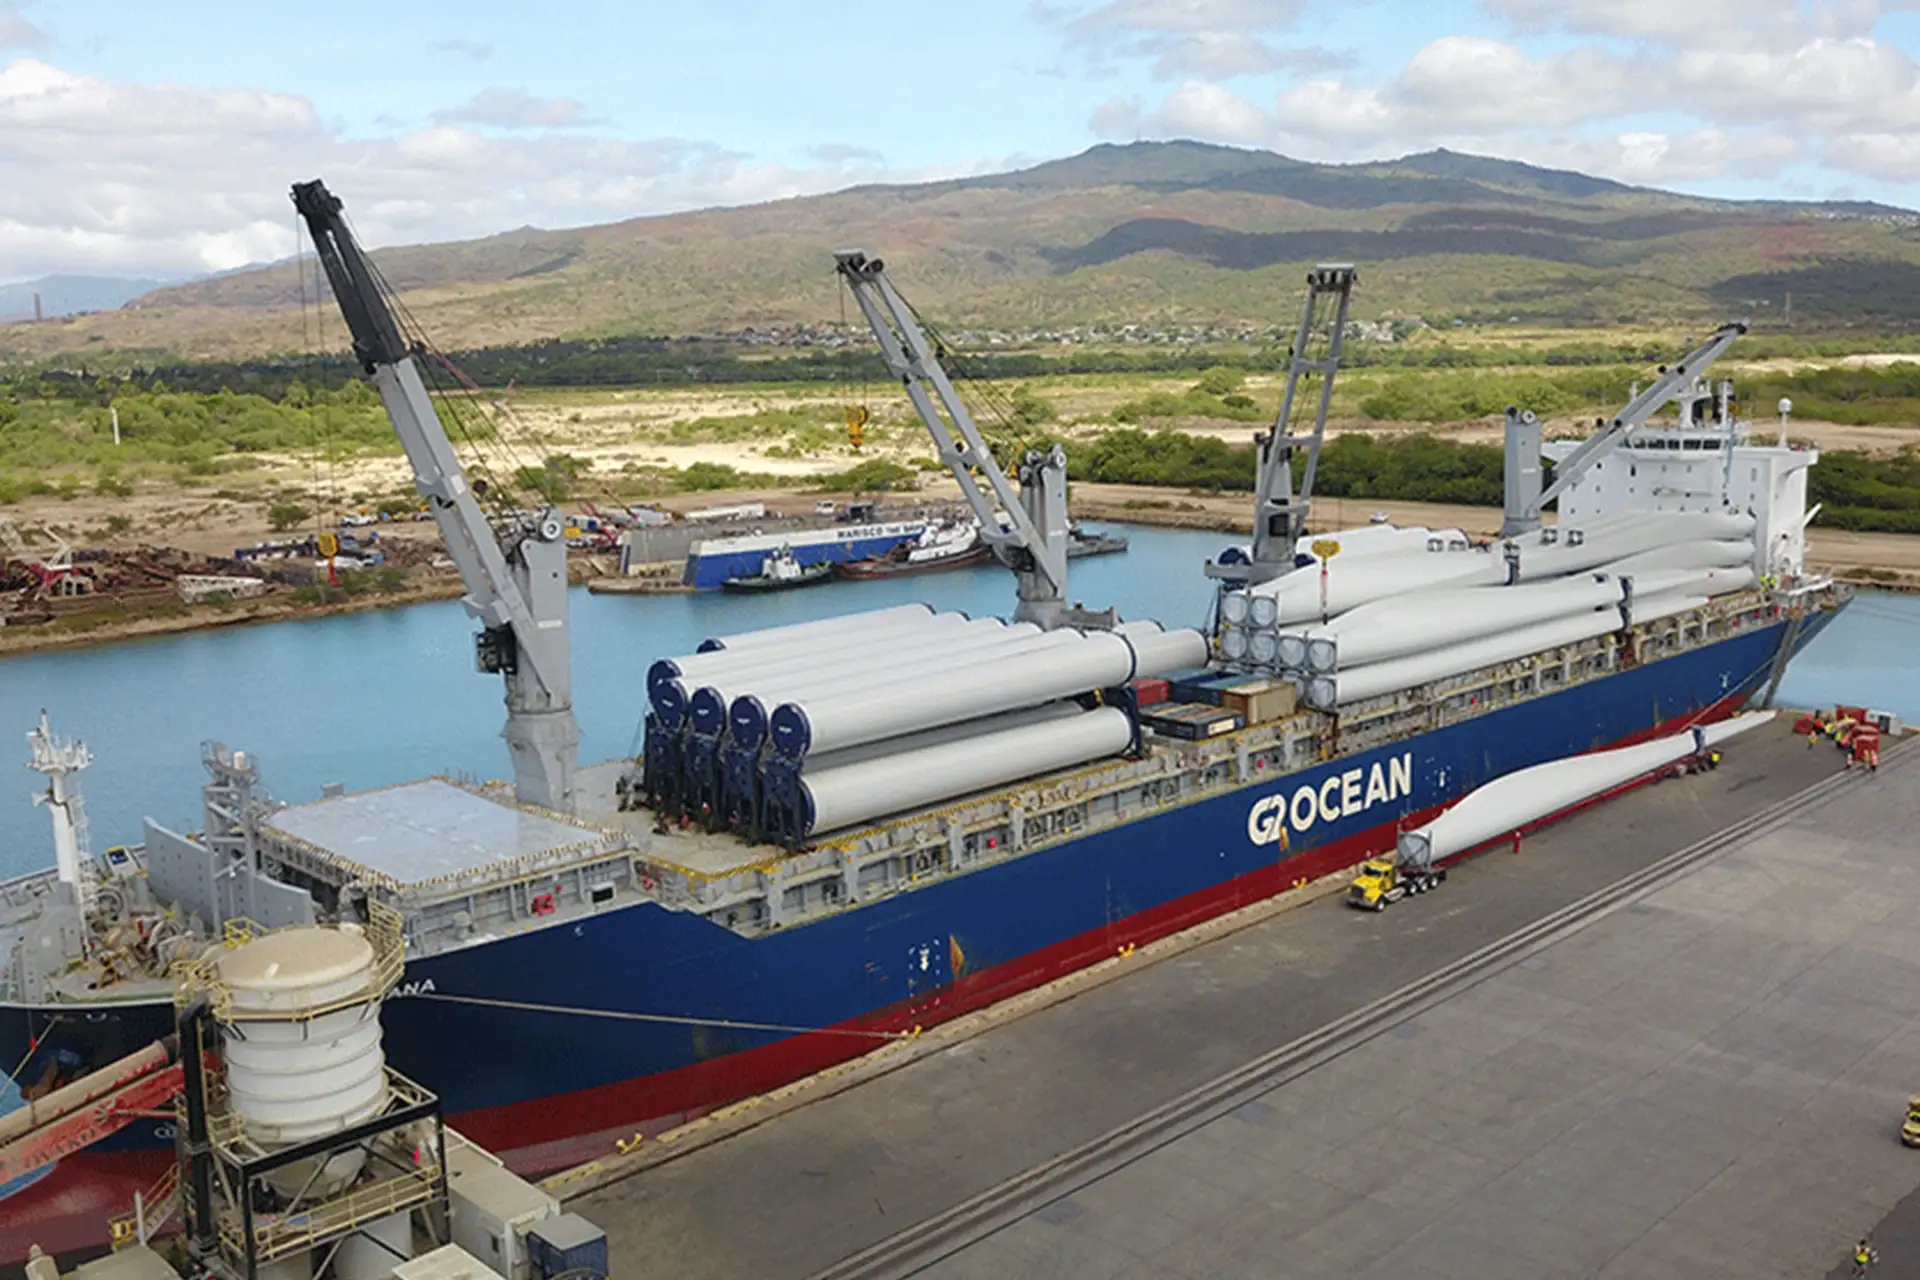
(1672, 1035)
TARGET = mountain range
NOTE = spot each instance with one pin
(1151, 232)
(70, 295)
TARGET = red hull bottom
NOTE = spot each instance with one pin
(67, 1210)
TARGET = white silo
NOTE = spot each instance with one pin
(300, 1035)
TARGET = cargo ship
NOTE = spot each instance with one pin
(844, 829)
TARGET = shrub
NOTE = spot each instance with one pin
(284, 516)
(876, 475)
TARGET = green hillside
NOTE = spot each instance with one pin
(1150, 233)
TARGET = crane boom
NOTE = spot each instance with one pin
(1523, 512)
(1035, 546)
(516, 586)
(1280, 514)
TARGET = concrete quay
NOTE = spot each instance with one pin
(1642, 1047)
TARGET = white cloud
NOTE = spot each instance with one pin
(168, 179)
(504, 108)
(1204, 110)
(1117, 118)
(1648, 158)
(1734, 88)
(1457, 86)
(1718, 23)
(1182, 39)
(1822, 86)
(844, 153)
(15, 31)
(1890, 157)
(463, 47)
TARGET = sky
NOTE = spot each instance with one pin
(160, 138)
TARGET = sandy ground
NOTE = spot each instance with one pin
(621, 433)
(215, 526)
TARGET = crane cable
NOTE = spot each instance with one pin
(1007, 439)
(858, 414)
(459, 405)
(416, 332)
(325, 540)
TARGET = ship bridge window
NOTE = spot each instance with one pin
(1690, 444)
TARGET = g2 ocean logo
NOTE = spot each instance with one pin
(1338, 795)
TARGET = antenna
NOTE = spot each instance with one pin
(63, 762)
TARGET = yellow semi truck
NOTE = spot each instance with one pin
(1385, 880)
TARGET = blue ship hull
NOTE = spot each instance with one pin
(545, 1044)
(711, 563)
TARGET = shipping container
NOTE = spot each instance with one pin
(1261, 701)
(1192, 721)
(1151, 690)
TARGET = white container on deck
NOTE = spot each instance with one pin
(1698, 554)
(783, 636)
(1356, 684)
(828, 636)
(1099, 660)
(841, 797)
(1431, 620)
(750, 704)
(860, 651)
(894, 748)
(1649, 533)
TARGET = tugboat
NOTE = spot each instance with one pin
(780, 571)
(1084, 542)
(954, 545)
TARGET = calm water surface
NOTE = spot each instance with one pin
(389, 695)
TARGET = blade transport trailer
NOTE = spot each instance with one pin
(843, 829)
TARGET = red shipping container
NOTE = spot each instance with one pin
(1150, 690)
(1850, 713)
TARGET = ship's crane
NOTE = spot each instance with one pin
(1279, 513)
(516, 579)
(1033, 542)
(1526, 499)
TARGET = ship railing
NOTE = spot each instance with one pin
(151, 1211)
(297, 1233)
(200, 975)
(277, 1236)
(27, 892)
(1039, 812)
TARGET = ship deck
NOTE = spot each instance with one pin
(704, 853)
(1706, 1079)
(426, 832)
